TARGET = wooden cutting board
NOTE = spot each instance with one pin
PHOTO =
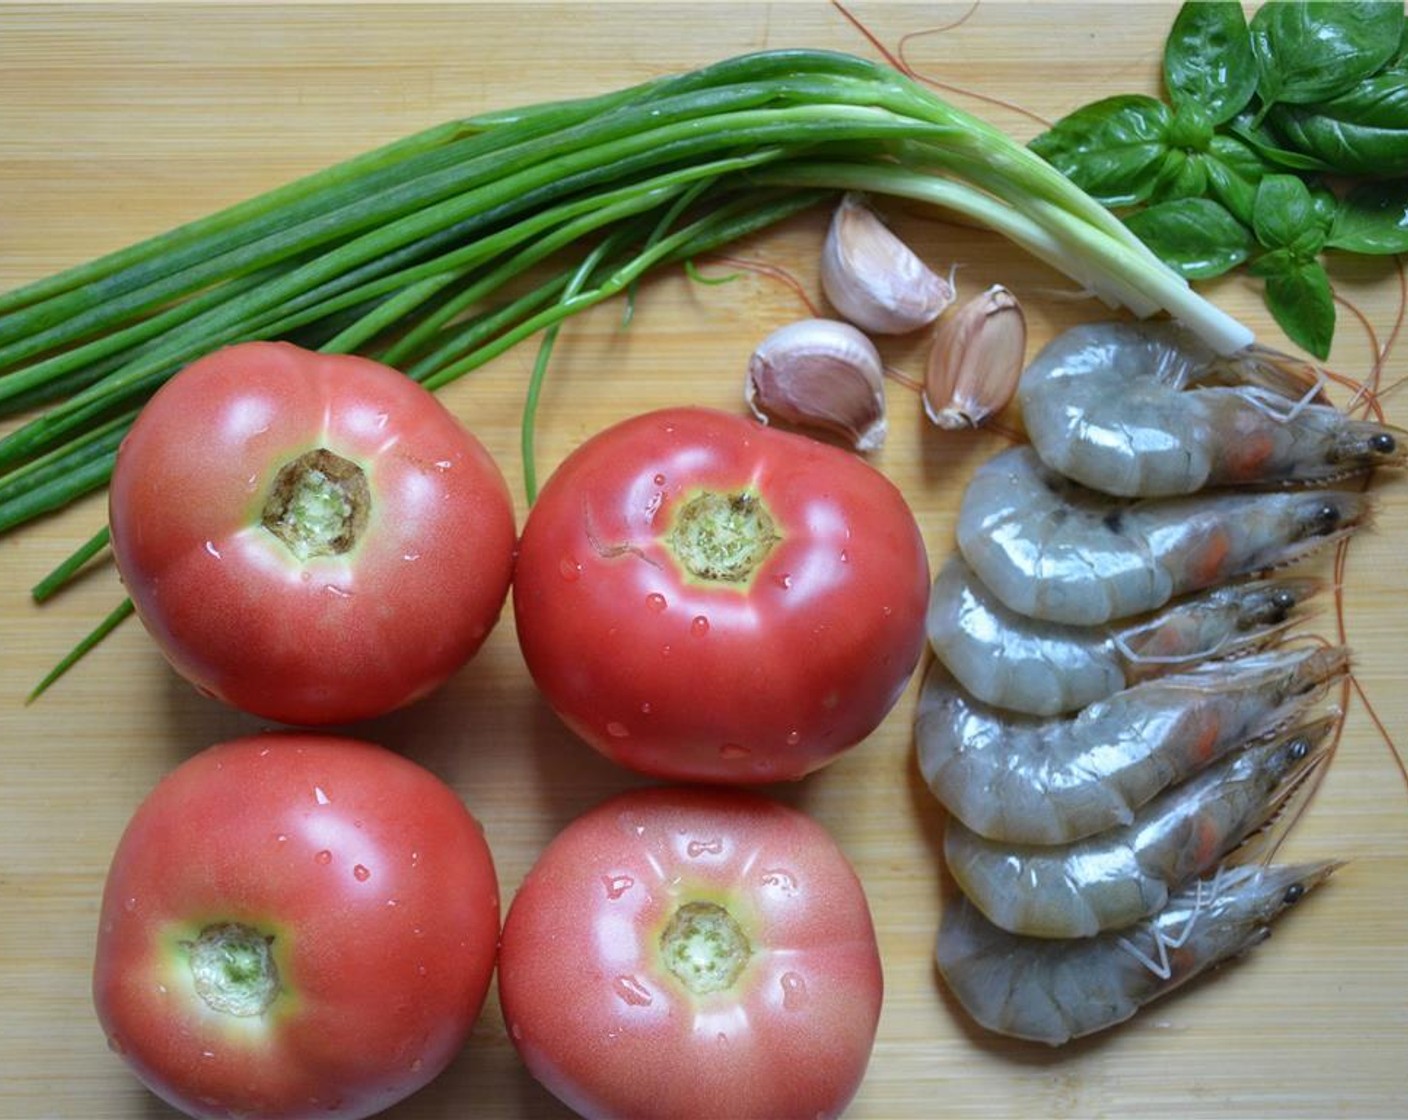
(117, 122)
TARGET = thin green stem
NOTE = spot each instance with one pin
(120, 614)
(64, 574)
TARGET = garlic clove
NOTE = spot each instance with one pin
(976, 360)
(823, 374)
(873, 278)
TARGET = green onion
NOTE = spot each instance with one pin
(430, 252)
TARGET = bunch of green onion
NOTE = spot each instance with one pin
(429, 254)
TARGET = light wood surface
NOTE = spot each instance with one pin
(119, 122)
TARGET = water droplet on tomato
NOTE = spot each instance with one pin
(631, 991)
(734, 750)
(361, 874)
(569, 569)
(617, 885)
(320, 797)
(130, 905)
(645, 707)
(794, 991)
(780, 880)
(656, 602)
(699, 626)
(324, 857)
(845, 556)
(793, 738)
(517, 1031)
(783, 580)
(210, 548)
(659, 480)
(442, 465)
(696, 848)
(410, 556)
(416, 1064)
(281, 838)
(207, 1054)
(617, 730)
(339, 592)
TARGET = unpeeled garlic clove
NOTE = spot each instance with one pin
(873, 278)
(976, 360)
(820, 373)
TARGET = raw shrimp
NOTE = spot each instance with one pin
(1054, 991)
(1052, 549)
(1146, 409)
(1122, 875)
(1045, 668)
(1027, 780)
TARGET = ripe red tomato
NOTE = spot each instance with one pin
(295, 925)
(705, 599)
(692, 952)
(312, 538)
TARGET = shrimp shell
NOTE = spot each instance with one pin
(1052, 549)
(1147, 409)
(1120, 876)
(1053, 991)
(1027, 780)
(1045, 668)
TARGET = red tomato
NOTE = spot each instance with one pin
(312, 538)
(690, 953)
(295, 926)
(705, 599)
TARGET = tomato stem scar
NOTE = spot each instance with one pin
(722, 537)
(318, 505)
(704, 947)
(233, 969)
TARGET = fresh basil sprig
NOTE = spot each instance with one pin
(1233, 168)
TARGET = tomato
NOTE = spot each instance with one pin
(692, 952)
(705, 599)
(295, 925)
(312, 538)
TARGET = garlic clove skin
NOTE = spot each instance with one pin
(873, 278)
(976, 360)
(822, 374)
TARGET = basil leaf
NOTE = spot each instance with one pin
(1372, 218)
(1307, 52)
(1270, 147)
(1361, 132)
(1234, 171)
(1181, 176)
(1299, 298)
(1284, 216)
(1208, 59)
(1113, 148)
(1196, 237)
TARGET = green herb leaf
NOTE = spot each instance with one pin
(1363, 131)
(1234, 170)
(1307, 52)
(1372, 218)
(1208, 59)
(1271, 147)
(1299, 298)
(1195, 236)
(1285, 216)
(1112, 148)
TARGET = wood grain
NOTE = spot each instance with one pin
(120, 121)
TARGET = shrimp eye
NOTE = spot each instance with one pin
(1326, 518)
(1283, 601)
(1298, 749)
(1294, 893)
(1383, 443)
